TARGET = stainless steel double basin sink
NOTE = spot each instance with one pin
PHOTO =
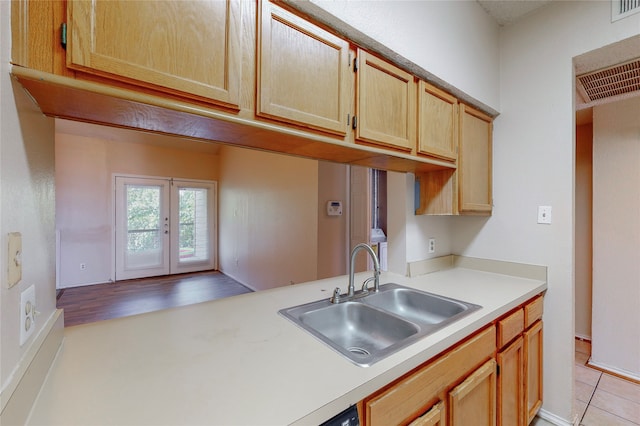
(373, 326)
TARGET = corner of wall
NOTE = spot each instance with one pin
(19, 395)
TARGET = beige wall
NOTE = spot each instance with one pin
(332, 230)
(616, 237)
(268, 218)
(584, 198)
(85, 166)
(27, 194)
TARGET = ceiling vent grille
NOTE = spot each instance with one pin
(611, 82)
(623, 8)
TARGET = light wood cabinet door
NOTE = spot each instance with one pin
(473, 402)
(434, 417)
(511, 385)
(385, 107)
(190, 47)
(474, 162)
(437, 122)
(414, 394)
(304, 75)
(533, 369)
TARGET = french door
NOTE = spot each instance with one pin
(164, 226)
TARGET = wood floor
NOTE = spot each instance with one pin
(124, 298)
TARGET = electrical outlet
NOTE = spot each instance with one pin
(27, 313)
(432, 245)
(83, 266)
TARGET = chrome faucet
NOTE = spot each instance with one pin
(351, 294)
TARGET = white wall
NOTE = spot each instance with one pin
(268, 218)
(408, 234)
(616, 237)
(84, 183)
(27, 206)
(583, 244)
(534, 165)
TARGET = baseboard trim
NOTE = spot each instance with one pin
(583, 337)
(552, 418)
(623, 374)
(20, 394)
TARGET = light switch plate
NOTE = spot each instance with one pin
(14, 258)
(544, 214)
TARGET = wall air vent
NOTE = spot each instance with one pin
(623, 8)
(616, 81)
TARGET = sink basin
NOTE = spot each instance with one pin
(374, 326)
(359, 332)
(417, 306)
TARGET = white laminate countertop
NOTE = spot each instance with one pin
(237, 361)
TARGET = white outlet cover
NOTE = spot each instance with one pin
(27, 314)
(544, 214)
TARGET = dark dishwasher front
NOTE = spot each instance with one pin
(348, 417)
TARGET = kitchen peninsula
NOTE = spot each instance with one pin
(236, 361)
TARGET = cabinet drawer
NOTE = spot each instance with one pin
(415, 393)
(510, 327)
(533, 311)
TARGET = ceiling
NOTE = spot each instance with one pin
(620, 82)
(506, 12)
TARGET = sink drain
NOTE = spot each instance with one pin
(358, 351)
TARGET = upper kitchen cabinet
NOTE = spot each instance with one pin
(474, 162)
(191, 48)
(386, 104)
(437, 122)
(304, 76)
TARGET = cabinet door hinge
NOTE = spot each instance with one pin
(355, 65)
(354, 122)
(497, 369)
(63, 35)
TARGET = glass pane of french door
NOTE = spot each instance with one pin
(193, 226)
(142, 227)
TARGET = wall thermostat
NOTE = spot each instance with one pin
(334, 208)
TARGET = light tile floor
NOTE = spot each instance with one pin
(600, 398)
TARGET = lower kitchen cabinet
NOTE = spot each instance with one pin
(533, 369)
(473, 402)
(417, 393)
(520, 364)
(511, 385)
(492, 378)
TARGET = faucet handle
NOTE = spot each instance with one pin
(365, 284)
(336, 296)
